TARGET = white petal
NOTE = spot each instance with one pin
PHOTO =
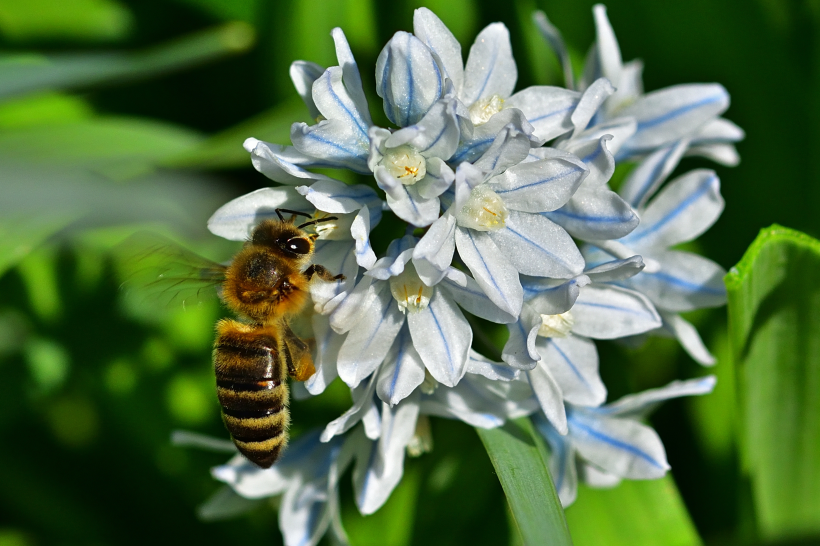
(561, 463)
(621, 447)
(675, 112)
(347, 313)
(434, 34)
(629, 87)
(468, 294)
(509, 148)
(284, 164)
(304, 515)
(402, 372)
(590, 102)
(490, 68)
(597, 158)
(651, 172)
(434, 252)
(335, 102)
(621, 130)
(435, 135)
(573, 362)
(536, 246)
(549, 397)
(351, 77)
(553, 37)
(439, 178)
(685, 208)
(595, 214)
(718, 130)
(547, 108)
(442, 337)
(685, 282)
(339, 257)
(640, 405)
(484, 135)
(724, 154)
(481, 365)
(616, 270)
(688, 337)
(375, 478)
(339, 198)
(333, 142)
(303, 74)
(538, 186)
(552, 296)
(236, 219)
(360, 230)
(597, 478)
(325, 355)
(520, 351)
(225, 504)
(609, 53)
(493, 272)
(362, 398)
(406, 202)
(370, 339)
(609, 312)
(408, 79)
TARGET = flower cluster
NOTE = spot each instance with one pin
(510, 218)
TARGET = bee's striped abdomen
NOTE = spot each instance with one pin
(251, 387)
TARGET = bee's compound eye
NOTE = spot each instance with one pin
(298, 245)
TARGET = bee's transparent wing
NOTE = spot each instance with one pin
(159, 272)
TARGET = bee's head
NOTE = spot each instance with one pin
(283, 238)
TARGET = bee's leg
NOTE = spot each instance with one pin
(297, 355)
(322, 272)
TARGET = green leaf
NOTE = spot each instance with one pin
(57, 19)
(635, 513)
(520, 460)
(774, 335)
(25, 73)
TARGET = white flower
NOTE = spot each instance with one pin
(609, 443)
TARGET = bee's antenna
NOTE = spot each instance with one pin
(293, 212)
(317, 221)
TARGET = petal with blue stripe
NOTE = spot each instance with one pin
(402, 372)
(468, 294)
(609, 312)
(638, 406)
(490, 68)
(339, 198)
(596, 214)
(597, 158)
(370, 339)
(442, 337)
(549, 396)
(520, 351)
(434, 34)
(334, 143)
(350, 75)
(688, 337)
(438, 179)
(685, 282)
(552, 296)
(509, 148)
(589, 103)
(283, 164)
(547, 108)
(561, 463)
(609, 53)
(328, 343)
(686, 207)
(482, 137)
(651, 172)
(553, 37)
(573, 363)
(335, 103)
(622, 447)
(491, 269)
(536, 246)
(673, 113)
(303, 74)
(433, 254)
(539, 186)
(362, 399)
(408, 78)
(339, 258)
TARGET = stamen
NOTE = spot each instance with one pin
(408, 282)
(483, 211)
(556, 325)
(405, 164)
(482, 110)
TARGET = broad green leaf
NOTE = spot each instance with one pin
(634, 513)
(774, 334)
(43, 108)
(520, 460)
(58, 19)
(224, 150)
(25, 73)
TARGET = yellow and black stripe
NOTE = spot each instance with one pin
(251, 387)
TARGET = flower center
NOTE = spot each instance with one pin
(483, 211)
(411, 294)
(556, 325)
(422, 440)
(334, 230)
(482, 110)
(405, 164)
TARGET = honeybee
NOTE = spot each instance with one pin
(265, 284)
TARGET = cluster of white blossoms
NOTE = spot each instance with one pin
(509, 218)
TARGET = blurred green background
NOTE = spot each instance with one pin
(118, 115)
